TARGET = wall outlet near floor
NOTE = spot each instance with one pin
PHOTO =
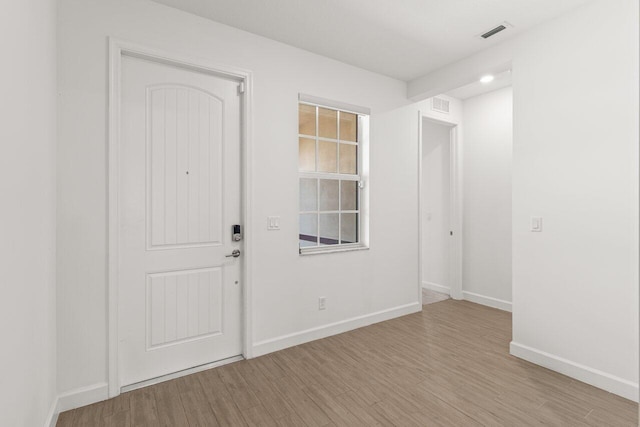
(322, 303)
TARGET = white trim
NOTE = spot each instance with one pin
(82, 396)
(297, 338)
(315, 250)
(420, 210)
(182, 373)
(488, 301)
(455, 212)
(455, 207)
(436, 287)
(247, 168)
(594, 377)
(337, 105)
(118, 48)
(52, 416)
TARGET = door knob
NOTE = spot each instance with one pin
(235, 254)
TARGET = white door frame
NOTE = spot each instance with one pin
(455, 206)
(117, 49)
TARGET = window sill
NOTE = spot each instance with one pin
(320, 251)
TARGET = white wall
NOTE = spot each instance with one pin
(575, 163)
(487, 147)
(435, 212)
(286, 286)
(27, 217)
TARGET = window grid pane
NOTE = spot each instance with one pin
(327, 123)
(307, 120)
(327, 157)
(307, 154)
(308, 230)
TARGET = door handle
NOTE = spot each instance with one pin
(235, 254)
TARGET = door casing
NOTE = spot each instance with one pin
(117, 49)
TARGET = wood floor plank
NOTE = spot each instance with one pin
(293, 390)
(65, 419)
(169, 405)
(118, 419)
(89, 416)
(143, 407)
(270, 398)
(361, 410)
(226, 411)
(195, 403)
(241, 393)
(332, 407)
(291, 420)
(448, 365)
(120, 403)
(601, 417)
(257, 416)
(220, 400)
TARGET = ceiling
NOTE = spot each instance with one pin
(478, 88)
(402, 39)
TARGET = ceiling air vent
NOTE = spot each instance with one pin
(495, 30)
(439, 104)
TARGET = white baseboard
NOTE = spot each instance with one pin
(594, 377)
(488, 301)
(83, 396)
(52, 416)
(290, 340)
(437, 288)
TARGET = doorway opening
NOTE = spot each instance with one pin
(465, 194)
(437, 211)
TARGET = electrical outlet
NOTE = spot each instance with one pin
(322, 303)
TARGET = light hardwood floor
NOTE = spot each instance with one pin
(446, 366)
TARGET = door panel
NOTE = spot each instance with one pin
(183, 305)
(179, 296)
(185, 153)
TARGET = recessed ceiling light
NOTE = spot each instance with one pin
(486, 79)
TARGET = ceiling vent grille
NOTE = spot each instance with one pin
(495, 30)
(439, 104)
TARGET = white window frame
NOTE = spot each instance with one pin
(361, 177)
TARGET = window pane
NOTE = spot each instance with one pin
(328, 229)
(307, 119)
(348, 158)
(349, 195)
(329, 194)
(327, 156)
(307, 154)
(327, 123)
(308, 194)
(349, 228)
(308, 230)
(348, 127)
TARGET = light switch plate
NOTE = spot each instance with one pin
(536, 224)
(273, 223)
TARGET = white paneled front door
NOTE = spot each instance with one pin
(179, 295)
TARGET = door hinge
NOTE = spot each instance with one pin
(241, 88)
